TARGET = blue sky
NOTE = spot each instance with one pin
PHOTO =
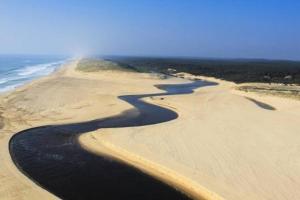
(197, 28)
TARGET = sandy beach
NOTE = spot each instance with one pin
(224, 145)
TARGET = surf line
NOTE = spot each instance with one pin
(52, 157)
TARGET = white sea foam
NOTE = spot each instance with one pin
(3, 80)
(18, 77)
(40, 69)
(7, 79)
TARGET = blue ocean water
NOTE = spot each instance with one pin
(16, 70)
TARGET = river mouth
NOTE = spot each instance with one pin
(52, 157)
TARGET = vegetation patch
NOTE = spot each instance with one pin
(95, 65)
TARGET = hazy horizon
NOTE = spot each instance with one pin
(201, 29)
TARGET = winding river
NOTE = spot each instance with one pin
(52, 157)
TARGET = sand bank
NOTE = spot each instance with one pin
(222, 144)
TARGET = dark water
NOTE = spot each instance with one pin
(52, 157)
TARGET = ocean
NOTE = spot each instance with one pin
(16, 70)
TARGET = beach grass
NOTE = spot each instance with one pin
(95, 65)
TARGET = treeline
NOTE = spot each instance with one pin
(236, 70)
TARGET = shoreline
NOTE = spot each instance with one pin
(59, 63)
(17, 185)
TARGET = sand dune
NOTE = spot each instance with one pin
(222, 145)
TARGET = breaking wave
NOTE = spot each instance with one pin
(12, 79)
